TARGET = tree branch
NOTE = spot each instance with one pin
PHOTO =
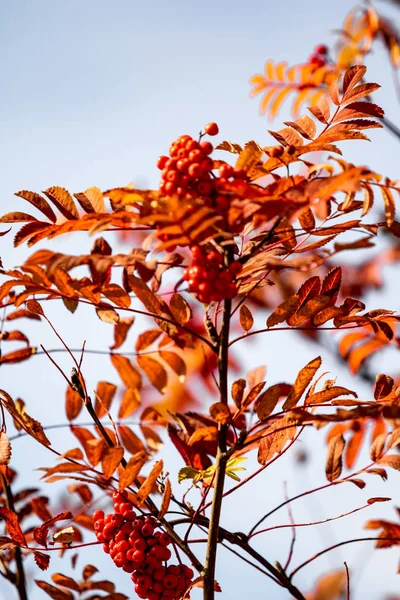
(221, 460)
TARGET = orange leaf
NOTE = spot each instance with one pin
(352, 76)
(180, 309)
(129, 474)
(283, 311)
(303, 379)
(108, 315)
(361, 353)
(111, 459)
(246, 318)
(121, 330)
(275, 439)
(383, 386)
(12, 526)
(238, 388)
(91, 200)
(53, 591)
(63, 201)
(65, 581)
(147, 486)
(220, 413)
(34, 307)
(390, 460)
(252, 395)
(269, 399)
(155, 372)
(39, 203)
(146, 339)
(358, 92)
(129, 404)
(94, 450)
(166, 499)
(329, 394)
(129, 375)
(104, 395)
(333, 466)
(130, 440)
(353, 447)
(73, 404)
(176, 363)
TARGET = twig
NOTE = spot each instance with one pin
(347, 581)
(368, 539)
(20, 580)
(292, 523)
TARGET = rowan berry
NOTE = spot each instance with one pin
(140, 544)
(170, 187)
(108, 531)
(182, 165)
(191, 145)
(211, 129)
(129, 515)
(164, 539)
(321, 49)
(195, 170)
(162, 161)
(98, 525)
(207, 147)
(97, 515)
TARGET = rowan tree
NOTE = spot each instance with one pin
(233, 235)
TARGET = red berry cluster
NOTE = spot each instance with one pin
(186, 172)
(136, 547)
(190, 173)
(318, 57)
(209, 278)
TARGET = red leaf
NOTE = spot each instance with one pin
(12, 526)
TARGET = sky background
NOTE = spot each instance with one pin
(91, 93)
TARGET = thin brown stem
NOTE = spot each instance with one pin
(367, 539)
(221, 460)
(20, 580)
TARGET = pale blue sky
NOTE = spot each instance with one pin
(91, 93)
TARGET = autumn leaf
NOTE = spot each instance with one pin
(129, 404)
(129, 375)
(129, 474)
(155, 372)
(104, 394)
(166, 499)
(303, 379)
(246, 318)
(54, 592)
(73, 404)
(110, 460)
(12, 525)
(333, 466)
(42, 560)
(147, 486)
(180, 309)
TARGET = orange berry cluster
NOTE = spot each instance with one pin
(318, 57)
(209, 278)
(186, 172)
(136, 547)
